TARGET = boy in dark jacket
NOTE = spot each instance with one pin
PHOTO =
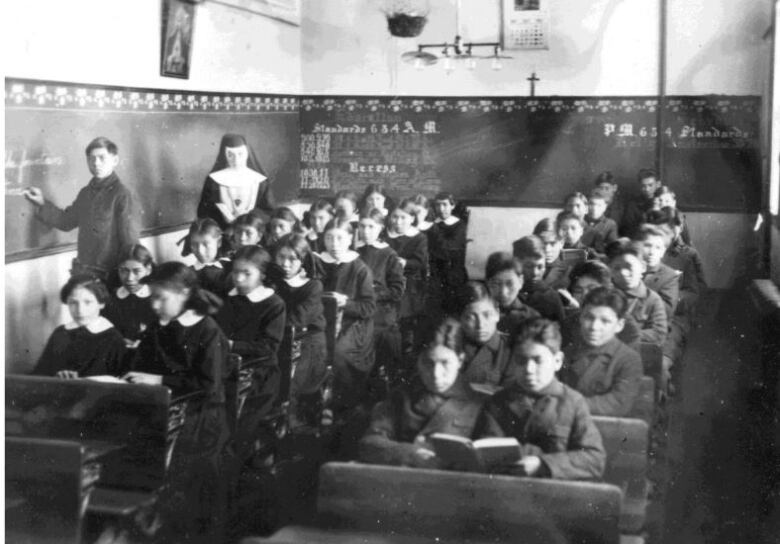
(550, 420)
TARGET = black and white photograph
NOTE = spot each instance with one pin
(392, 271)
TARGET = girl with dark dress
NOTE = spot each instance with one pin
(389, 285)
(89, 345)
(348, 280)
(319, 215)
(213, 272)
(448, 253)
(302, 295)
(185, 350)
(412, 248)
(236, 185)
(252, 317)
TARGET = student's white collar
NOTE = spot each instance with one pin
(348, 257)
(144, 292)
(237, 177)
(376, 243)
(198, 266)
(296, 281)
(99, 325)
(258, 294)
(425, 225)
(413, 231)
(188, 318)
(451, 220)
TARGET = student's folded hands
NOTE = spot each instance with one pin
(530, 465)
(425, 458)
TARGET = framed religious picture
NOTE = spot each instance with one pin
(178, 21)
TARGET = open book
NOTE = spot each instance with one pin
(106, 379)
(482, 455)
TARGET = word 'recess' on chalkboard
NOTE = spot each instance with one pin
(532, 151)
(167, 141)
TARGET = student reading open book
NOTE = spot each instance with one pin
(485, 455)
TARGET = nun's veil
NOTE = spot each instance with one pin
(236, 140)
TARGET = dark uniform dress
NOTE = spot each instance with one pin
(389, 285)
(303, 300)
(130, 313)
(191, 353)
(554, 425)
(214, 277)
(255, 324)
(608, 376)
(513, 317)
(447, 250)
(353, 356)
(95, 350)
(488, 364)
(403, 423)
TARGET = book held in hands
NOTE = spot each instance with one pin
(482, 455)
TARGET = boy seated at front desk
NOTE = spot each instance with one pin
(551, 421)
(440, 400)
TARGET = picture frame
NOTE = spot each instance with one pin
(178, 22)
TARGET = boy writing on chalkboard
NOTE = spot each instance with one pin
(104, 212)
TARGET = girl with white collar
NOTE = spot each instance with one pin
(89, 345)
(252, 317)
(205, 240)
(348, 279)
(411, 245)
(185, 350)
(389, 285)
(302, 296)
(128, 308)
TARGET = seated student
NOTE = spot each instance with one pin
(644, 304)
(486, 348)
(320, 214)
(186, 351)
(642, 203)
(665, 281)
(556, 271)
(389, 285)
(601, 229)
(89, 345)
(302, 296)
(253, 317)
(447, 252)
(283, 222)
(606, 183)
(205, 242)
(247, 230)
(128, 308)
(422, 213)
(349, 280)
(665, 197)
(375, 198)
(439, 400)
(571, 230)
(504, 283)
(411, 246)
(683, 257)
(586, 277)
(576, 204)
(530, 254)
(601, 367)
(346, 202)
(550, 420)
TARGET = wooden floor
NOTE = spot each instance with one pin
(721, 467)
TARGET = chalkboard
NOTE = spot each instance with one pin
(532, 151)
(167, 141)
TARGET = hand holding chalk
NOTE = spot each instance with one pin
(34, 195)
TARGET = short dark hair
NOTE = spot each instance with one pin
(445, 196)
(591, 269)
(607, 296)
(472, 292)
(621, 247)
(575, 195)
(256, 255)
(546, 225)
(568, 216)
(665, 190)
(447, 333)
(101, 142)
(605, 177)
(645, 173)
(179, 276)
(647, 230)
(598, 193)
(499, 262)
(668, 216)
(298, 244)
(528, 247)
(89, 282)
(205, 225)
(540, 331)
(340, 221)
(349, 195)
(136, 252)
(253, 220)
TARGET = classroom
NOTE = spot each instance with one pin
(392, 271)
